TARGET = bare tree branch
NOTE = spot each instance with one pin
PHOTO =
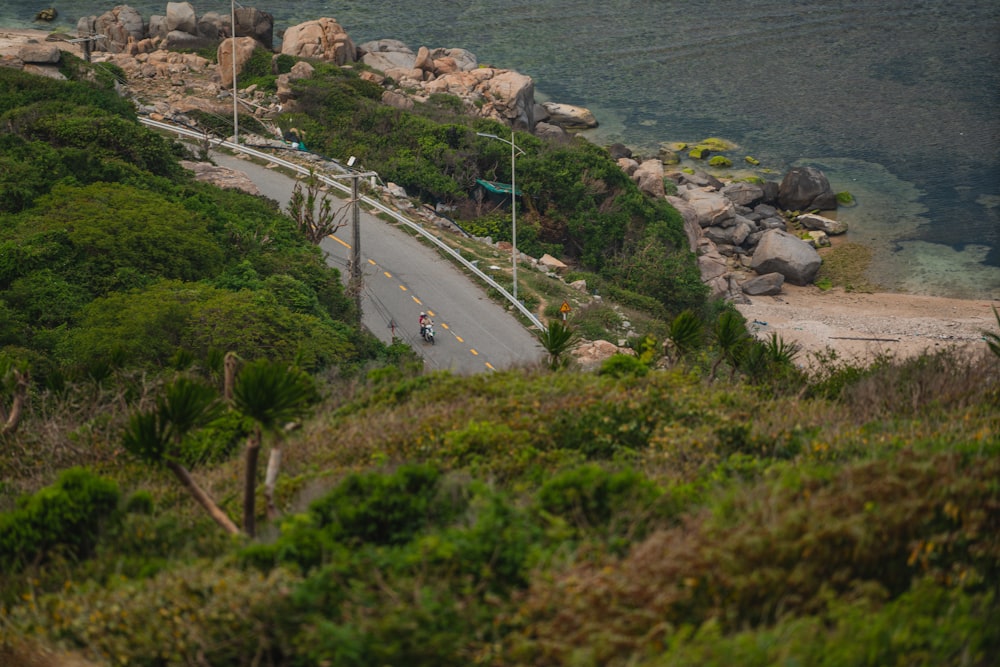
(313, 212)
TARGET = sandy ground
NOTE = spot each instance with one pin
(14, 38)
(861, 326)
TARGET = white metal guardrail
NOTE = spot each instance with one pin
(374, 203)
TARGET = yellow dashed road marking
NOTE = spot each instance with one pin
(473, 351)
(343, 243)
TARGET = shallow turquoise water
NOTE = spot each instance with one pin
(896, 100)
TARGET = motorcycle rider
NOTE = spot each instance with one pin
(424, 321)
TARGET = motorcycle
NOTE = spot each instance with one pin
(427, 332)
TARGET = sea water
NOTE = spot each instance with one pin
(897, 101)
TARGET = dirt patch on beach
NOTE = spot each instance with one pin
(859, 326)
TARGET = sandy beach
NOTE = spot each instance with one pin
(859, 326)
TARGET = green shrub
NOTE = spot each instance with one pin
(930, 626)
(383, 509)
(370, 509)
(140, 502)
(66, 517)
(478, 441)
(623, 365)
(596, 501)
(199, 614)
(600, 430)
(258, 70)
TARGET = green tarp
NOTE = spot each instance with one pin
(497, 188)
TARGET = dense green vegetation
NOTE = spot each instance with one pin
(109, 253)
(577, 204)
(704, 502)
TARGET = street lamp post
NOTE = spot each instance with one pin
(236, 114)
(513, 199)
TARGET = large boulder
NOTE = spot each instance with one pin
(649, 177)
(391, 56)
(252, 22)
(730, 234)
(34, 52)
(711, 207)
(784, 253)
(119, 26)
(743, 194)
(176, 40)
(569, 116)
(806, 188)
(211, 25)
(551, 132)
(503, 95)
(768, 284)
(454, 60)
(712, 265)
(181, 16)
(322, 39)
(244, 49)
(511, 99)
(692, 228)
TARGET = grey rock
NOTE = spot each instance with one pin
(784, 253)
(805, 188)
(743, 194)
(768, 284)
(821, 223)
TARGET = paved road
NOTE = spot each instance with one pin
(402, 276)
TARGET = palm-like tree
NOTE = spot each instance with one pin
(765, 359)
(557, 339)
(686, 332)
(270, 394)
(731, 339)
(155, 436)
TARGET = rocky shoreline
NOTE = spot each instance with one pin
(731, 226)
(741, 231)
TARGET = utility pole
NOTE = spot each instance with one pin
(236, 115)
(356, 245)
(355, 281)
(87, 44)
(513, 200)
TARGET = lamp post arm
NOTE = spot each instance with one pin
(513, 199)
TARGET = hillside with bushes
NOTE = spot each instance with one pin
(204, 460)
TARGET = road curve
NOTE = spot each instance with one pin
(403, 277)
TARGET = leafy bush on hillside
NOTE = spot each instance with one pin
(102, 136)
(617, 506)
(66, 517)
(784, 547)
(104, 214)
(22, 89)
